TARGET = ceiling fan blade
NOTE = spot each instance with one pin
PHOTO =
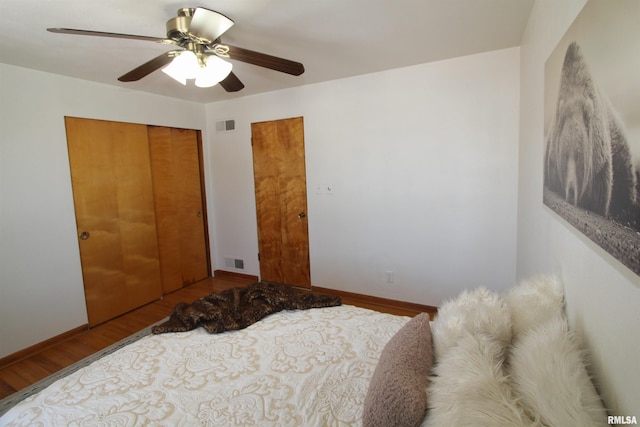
(104, 34)
(266, 61)
(207, 25)
(231, 83)
(148, 67)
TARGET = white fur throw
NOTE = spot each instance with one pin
(533, 301)
(478, 310)
(549, 375)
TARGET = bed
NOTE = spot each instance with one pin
(337, 366)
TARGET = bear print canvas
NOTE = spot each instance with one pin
(592, 127)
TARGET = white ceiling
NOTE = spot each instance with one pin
(332, 38)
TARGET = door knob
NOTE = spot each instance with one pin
(85, 235)
(302, 215)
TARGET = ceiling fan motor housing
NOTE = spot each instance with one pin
(178, 27)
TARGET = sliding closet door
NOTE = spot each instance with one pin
(113, 198)
(179, 203)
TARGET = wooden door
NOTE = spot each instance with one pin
(281, 201)
(179, 205)
(113, 198)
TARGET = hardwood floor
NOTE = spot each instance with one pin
(35, 367)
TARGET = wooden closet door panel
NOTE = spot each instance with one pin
(179, 205)
(164, 191)
(92, 160)
(137, 214)
(190, 204)
(113, 199)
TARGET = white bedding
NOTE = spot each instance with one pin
(293, 368)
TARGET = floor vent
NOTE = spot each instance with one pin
(234, 263)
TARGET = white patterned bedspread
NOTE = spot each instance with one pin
(293, 368)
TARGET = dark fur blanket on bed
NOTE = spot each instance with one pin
(240, 307)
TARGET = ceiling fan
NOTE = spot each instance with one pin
(196, 30)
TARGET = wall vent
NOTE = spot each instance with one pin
(225, 125)
(234, 263)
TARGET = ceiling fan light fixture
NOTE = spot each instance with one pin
(184, 66)
(215, 71)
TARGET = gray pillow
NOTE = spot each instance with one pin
(397, 392)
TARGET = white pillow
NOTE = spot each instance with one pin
(533, 301)
(549, 375)
(478, 310)
(470, 387)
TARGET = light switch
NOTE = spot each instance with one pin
(324, 189)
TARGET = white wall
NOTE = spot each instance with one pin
(423, 165)
(603, 297)
(41, 291)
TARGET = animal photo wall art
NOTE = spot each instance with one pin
(592, 128)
